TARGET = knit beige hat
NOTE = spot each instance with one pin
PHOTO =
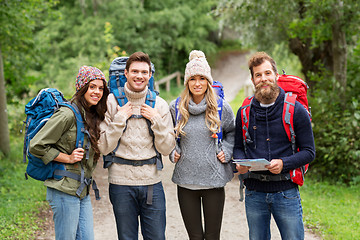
(197, 65)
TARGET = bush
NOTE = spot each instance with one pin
(337, 126)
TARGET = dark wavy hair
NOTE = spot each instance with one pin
(94, 115)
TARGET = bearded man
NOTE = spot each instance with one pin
(271, 193)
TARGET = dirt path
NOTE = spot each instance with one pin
(234, 224)
(232, 72)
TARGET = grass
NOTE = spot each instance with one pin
(332, 210)
(20, 200)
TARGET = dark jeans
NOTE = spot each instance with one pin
(212, 201)
(129, 202)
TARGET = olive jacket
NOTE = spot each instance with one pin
(59, 135)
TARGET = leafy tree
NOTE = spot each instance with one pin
(18, 20)
(324, 36)
(317, 31)
(166, 30)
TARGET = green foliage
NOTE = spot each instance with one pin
(337, 126)
(18, 21)
(285, 60)
(166, 30)
(267, 23)
(20, 199)
(16, 116)
(331, 210)
(312, 29)
(307, 28)
(237, 101)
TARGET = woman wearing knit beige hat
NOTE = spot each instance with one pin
(202, 167)
(68, 198)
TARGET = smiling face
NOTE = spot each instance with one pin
(198, 85)
(95, 92)
(264, 79)
(138, 76)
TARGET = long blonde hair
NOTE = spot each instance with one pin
(212, 119)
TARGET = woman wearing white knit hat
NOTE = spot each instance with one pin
(202, 166)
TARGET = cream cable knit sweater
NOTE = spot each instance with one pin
(136, 142)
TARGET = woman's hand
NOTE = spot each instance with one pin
(221, 156)
(76, 156)
(176, 156)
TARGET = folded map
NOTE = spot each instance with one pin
(255, 164)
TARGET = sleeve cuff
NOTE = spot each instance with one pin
(50, 155)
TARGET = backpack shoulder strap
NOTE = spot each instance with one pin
(220, 103)
(80, 128)
(177, 115)
(245, 119)
(288, 117)
(120, 96)
(150, 98)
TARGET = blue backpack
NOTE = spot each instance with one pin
(38, 111)
(116, 86)
(219, 90)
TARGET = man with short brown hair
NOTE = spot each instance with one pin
(135, 186)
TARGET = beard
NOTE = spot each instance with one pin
(267, 95)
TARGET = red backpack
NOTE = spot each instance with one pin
(295, 89)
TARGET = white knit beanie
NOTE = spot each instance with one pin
(197, 65)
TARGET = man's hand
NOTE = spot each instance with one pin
(221, 156)
(126, 109)
(176, 157)
(276, 166)
(148, 112)
(242, 169)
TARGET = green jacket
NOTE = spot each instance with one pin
(59, 135)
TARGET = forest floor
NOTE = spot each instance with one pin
(232, 71)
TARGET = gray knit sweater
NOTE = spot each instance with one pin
(198, 165)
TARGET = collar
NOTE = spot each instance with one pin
(196, 109)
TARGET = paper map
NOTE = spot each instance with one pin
(255, 164)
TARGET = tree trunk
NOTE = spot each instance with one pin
(312, 58)
(339, 48)
(4, 127)
(83, 6)
(95, 7)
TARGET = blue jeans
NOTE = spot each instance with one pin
(284, 206)
(130, 202)
(73, 217)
